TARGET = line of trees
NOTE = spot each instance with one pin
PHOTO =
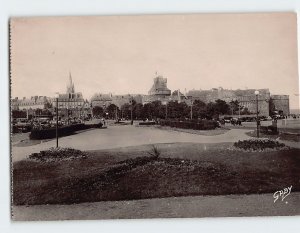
(173, 110)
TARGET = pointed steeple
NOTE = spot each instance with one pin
(70, 87)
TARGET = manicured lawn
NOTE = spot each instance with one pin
(182, 169)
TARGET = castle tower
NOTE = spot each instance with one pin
(159, 87)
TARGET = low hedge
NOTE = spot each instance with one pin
(258, 144)
(62, 131)
(271, 130)
(191, 124)
(147, 123)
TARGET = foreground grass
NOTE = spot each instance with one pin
(182, 169)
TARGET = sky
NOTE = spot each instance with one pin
(121, 54)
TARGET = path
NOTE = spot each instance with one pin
(174, 207)
(123, 136)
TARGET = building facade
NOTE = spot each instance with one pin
(245, 98)
(281, 104)
(104, 100)
(33, 103)
(71, 103)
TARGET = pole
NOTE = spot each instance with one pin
(56, 122)
(116, 113)
(191, 109)
(166, 110)
(131, 110)
(257, 120)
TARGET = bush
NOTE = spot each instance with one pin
(270, 130)
(147, 123)
(62, 131)
(259, 144)
(191, 124)
(57, 154)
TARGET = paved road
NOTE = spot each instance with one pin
(174, 207)
(123, 136)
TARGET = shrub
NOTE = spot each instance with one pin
(62, 131)
(57, 154)
(147, 123)
(190, 124)
(271, 130)
(155, 152)
(259, 144)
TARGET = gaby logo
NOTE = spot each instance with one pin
(282, 193)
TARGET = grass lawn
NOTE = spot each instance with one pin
(182, 169)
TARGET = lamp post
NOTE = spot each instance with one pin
(131, 111)
(104, 111)
(166, 110)
(56, 130)
(257, 120)
(192, 108)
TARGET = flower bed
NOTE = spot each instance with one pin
(259, 144)
(190, 124)
(57, 154)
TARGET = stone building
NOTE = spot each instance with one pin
(281, 104)
(33, 103)
(71, 103)
(246, 98)
(160, 92)
(104, 100)
(159, 87)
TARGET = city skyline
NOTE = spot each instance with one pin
(120, 55)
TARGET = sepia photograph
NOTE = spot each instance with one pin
(154, 116)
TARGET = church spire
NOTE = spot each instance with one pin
(70, 87)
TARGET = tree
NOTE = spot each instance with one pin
(138, 112)
(148, 110)
(199, 109)
(178, 110)
(18, 114)
(217, 108)
(245, 111)
(98, 111)
(234, 106)
(112, 111)
(125, 110)
(48, 105)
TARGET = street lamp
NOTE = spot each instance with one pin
(56, 97)
(192, 108)
(104, 111)
(131, 111)
(257, 120)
